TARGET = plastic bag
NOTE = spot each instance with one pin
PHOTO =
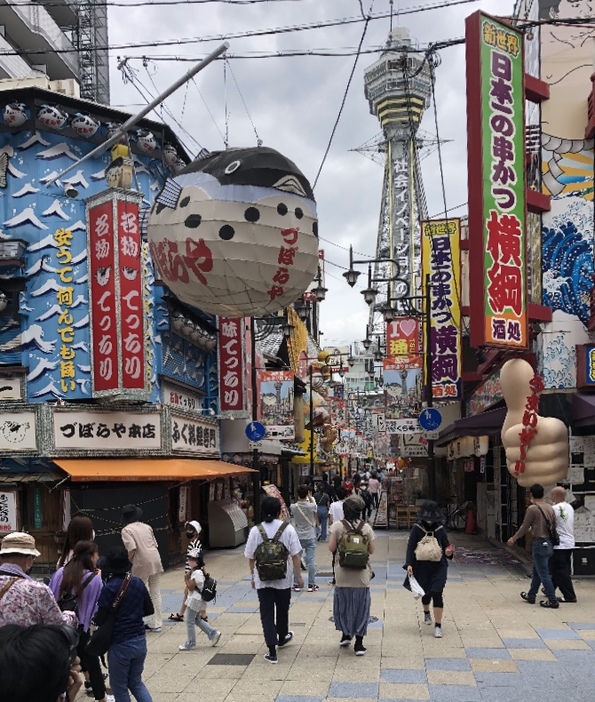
(416, 589)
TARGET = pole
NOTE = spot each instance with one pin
(135, 119)
(311, 423)
(429, 390)
(256, 478)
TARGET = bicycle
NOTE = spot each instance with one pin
(456, 518)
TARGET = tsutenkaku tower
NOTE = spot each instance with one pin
(398, 88)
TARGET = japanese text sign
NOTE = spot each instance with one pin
(585, 366)
(117, 298)
(8, 511)
(442, 263)
(108, 432)
(231, 366)
(65, 300)
(402, 343)
(194, 436)
(496, 171)
(530, 419)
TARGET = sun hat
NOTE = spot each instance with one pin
(19, 542)
(195, 525)
(117, 562)
(353, 504)
(431, 513)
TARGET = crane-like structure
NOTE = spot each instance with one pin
(91, 42)
(398, 88)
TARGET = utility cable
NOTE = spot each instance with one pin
(209, 110)
(258, 139)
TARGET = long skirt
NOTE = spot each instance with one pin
(351, 610)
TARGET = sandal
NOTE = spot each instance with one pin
(549, 605)
(176, 617)
(528, 598)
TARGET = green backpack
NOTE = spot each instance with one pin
(353, 547)
(271, 556)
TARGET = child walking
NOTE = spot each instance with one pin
(195, 605)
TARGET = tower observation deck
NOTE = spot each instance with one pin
(398, 88)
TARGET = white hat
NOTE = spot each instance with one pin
(195, 525)
(19, 542)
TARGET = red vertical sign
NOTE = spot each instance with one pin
(102, 270)
(131, 296)
(231, 365)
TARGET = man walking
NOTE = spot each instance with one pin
(560, 562)
(305, 518)
(141, 544)
(537, 517)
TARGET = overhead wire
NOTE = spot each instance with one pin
(258, 139)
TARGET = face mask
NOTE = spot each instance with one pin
(189, 534)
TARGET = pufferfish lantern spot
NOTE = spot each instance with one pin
(235, 233)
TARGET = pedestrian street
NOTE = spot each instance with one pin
(496, 647)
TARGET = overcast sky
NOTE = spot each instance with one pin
(293, 103)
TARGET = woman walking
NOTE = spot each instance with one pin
(128, 646)
(196, 607)
(80, 581)
(352, 601)
(430, 574)
(322, 504)
(80, 528)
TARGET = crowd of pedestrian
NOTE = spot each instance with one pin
(62, 621)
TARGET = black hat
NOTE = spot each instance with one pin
(131, 513)
(117, 562)
(431, 513)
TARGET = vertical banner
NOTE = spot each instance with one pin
(116, 296)
(496, 172)
(402, 343)
(275, 389)
(131, 295)
(441, 261)
(8, 511)
(231, 367)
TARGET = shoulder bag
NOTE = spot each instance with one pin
(101, 638)
(551, 527)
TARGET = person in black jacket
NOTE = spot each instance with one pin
(431, 575)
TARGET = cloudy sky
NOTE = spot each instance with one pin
(292, 104)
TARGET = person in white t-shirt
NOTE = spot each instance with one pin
(560, 562)
(335, 511)
(274, 596)
(195, 605)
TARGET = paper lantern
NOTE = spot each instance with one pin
(235, 233)
(15, 114)
(84, 124)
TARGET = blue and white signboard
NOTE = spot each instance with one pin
(255, 431)
(430, 419)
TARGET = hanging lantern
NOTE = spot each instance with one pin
(170, 155)
(52, 116)
(235, 233)
(84, 124)
(146, 141)
(15, 114)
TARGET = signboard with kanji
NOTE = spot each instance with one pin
(275, 390)
(496, 172)
(402, 343)
(441, 260)
(8, 511)
(231, 367)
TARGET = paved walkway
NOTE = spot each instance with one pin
(496, 647)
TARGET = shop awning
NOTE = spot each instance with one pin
(484, 424)
(41, 477)
(583, 410)
(103, 469)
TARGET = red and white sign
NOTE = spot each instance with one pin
(402, 344)
(131, 296)
(8, 511)
(231, 366)
(116, 292)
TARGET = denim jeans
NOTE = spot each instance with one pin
(323, 519)
(542, 550)
(193, 618)
(126, 661)
(309, 550)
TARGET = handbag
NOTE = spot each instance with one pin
(428, 548)
(99, 641)
(414, 587)
(551, 527)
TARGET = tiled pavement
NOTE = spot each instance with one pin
(495, 647)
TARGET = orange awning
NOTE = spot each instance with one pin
(94, 469)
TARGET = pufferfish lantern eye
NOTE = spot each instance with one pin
(226, 232)
(233, 166)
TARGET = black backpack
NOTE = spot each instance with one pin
(209, 589)
(68, 601)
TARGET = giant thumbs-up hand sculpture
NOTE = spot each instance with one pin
(546, 458)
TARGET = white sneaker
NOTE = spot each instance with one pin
(110, 698)
(215, 639)
(437, 632)
(187, 646)
(427, 618)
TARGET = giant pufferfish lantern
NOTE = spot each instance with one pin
(235, 233)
